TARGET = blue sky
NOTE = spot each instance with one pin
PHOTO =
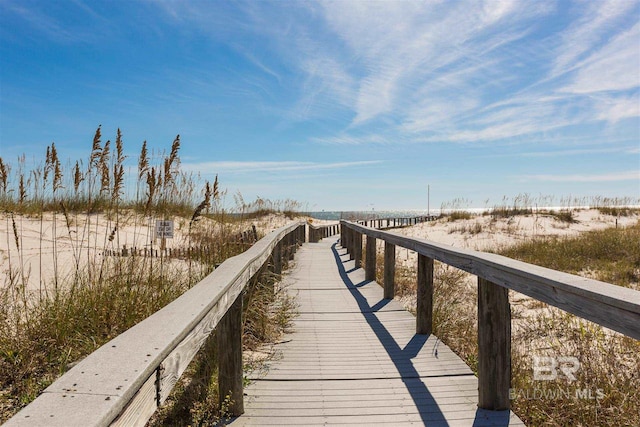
(340, 105)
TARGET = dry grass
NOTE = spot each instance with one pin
(610, 255)
(46, 330)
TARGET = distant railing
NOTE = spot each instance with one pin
(126, 380)
(614, 307)
(396, 222)
(319, 232)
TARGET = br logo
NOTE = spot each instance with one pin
(549, 368)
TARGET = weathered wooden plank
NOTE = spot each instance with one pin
(424, 303)
(357, 249)
(175, 364)
(141, 407)
(494, 346)
(229, 344)
(389, 270)
(370, 271)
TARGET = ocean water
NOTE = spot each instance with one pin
(366, 215)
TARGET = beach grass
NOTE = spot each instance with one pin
(49, 321)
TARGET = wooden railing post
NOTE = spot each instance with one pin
(229, 345)
(370, 265)
(351, 248)
(494, 346)
(357, 250)
(276, 257)
(424, 309)
(389, 270)
(292, 245)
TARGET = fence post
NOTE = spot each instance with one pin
(292, 245)
(357, 253)
(276, 259)
(424, 309)
(370, 265)
(229, 346)
(352, 243)
(389, 270)
(494, 346)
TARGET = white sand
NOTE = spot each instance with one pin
(87, 237)
(485, 233)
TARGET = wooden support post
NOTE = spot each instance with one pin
(370, 265)
(229, 346)
(424, 309)
(494, 346)
(276, 258)
(352, 246)
(357, 252)
(292, 245)
(389, 270)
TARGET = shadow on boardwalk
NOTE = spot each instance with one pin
(401, 357)
(353, 358)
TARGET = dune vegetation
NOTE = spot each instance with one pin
(80, 263)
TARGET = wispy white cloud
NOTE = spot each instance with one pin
(403, 47)
(40, 21)
(614, 67)
(614, 109)
(622, 176)
(257, 166)
(595, 22)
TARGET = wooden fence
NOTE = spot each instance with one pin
(382, 223)
(244, 238)
(124, 381)
(614, 307)
(319, 232)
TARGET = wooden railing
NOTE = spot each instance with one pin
(126, 380)
(396, 222)
(319, 232)
(614, 307)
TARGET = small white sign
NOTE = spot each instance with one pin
(164, 229)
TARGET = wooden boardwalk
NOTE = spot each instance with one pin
(354, 359)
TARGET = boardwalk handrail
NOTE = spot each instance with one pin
(124, 381)
(319, 232)
(612, 306)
